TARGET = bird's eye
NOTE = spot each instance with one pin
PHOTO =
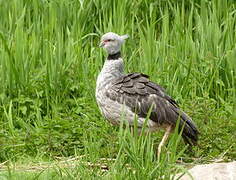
(108, 40)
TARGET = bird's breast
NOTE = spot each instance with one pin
(116, 112)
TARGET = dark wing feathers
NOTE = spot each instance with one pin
(129, 84)
(140, 85)
(136, 75)
(140, 94)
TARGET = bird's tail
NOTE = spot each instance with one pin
(190, 132)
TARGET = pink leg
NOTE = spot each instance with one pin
(165, 137)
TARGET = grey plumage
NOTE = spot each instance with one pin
(132, 95)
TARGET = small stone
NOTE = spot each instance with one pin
(214, 171)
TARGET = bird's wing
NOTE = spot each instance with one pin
(136, 91)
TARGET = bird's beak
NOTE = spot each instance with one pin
(102, 44)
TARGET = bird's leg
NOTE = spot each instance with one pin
(165, 137)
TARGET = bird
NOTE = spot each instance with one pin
(129, 96)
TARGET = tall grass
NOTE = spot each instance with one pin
(49, 60)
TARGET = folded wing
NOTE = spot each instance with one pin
(136, 91)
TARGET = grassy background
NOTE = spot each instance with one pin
(49, 60)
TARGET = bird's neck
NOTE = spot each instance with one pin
(113, 65)
(112, 68)
(115, 56)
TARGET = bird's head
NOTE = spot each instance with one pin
(112, 42)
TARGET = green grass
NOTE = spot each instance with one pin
(49, 61)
